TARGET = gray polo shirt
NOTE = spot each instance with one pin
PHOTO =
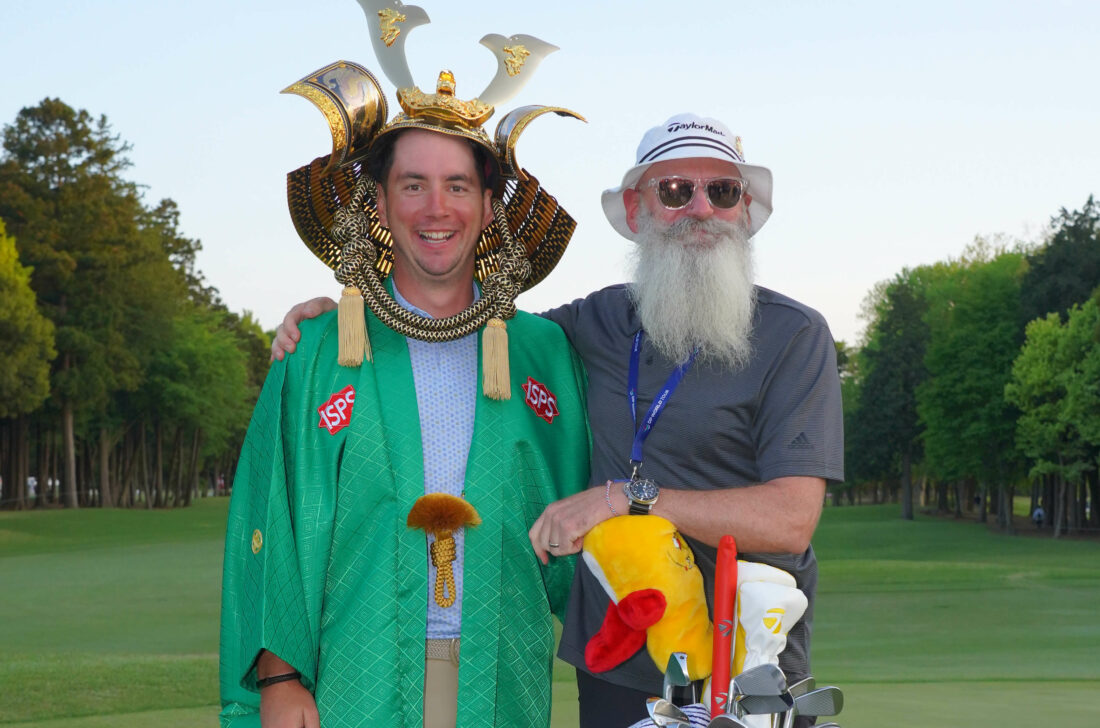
(780, 416)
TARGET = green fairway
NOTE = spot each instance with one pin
(110, 619)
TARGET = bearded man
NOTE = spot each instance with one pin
(747, 427)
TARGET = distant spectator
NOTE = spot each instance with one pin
(1037, 516)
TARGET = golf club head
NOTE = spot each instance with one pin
(766, 679)
(663, 713)
(676, 673)
(799, 687)
(765, 704)
(803, 686)
(726, 720)
(827, 725)
(827, 701)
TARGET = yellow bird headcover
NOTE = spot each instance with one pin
(656, 592)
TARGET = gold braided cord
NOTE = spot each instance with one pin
(357, 267)
(443, 554)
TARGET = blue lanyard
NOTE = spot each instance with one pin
(658, 405)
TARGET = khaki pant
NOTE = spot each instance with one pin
(441, 684)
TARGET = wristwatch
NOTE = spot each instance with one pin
(642, 494)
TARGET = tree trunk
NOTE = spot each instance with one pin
(106, 498)
(1035, 489)
(1073, 520)
(179, 461)
(70, 453)
(983, 501)
(1059, 505)
(147, 480)
(42, 467)
(1007, 507)
(118, 486)
(906, 486)
(193, 480)
(130, 457)
(1094, 500)
(158, 465)
(19, 457)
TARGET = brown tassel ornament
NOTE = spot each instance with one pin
(440, 515)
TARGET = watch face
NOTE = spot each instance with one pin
(644, 491)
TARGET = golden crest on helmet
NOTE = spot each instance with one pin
(516, 57)
(443, 104)
(389, 18)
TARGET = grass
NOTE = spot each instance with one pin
(108, 612)
(109, 618)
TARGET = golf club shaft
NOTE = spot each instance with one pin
(725, 596)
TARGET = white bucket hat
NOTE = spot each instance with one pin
(688, 136)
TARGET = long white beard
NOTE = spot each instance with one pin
(695, 296)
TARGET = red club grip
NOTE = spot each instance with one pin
(725, 592)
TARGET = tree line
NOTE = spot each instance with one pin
(124, 379)
(979, 378)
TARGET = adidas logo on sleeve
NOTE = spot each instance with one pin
(801, 443)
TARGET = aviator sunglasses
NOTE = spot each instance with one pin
(675, 193)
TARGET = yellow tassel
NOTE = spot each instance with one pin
(354, 343)
(496, 379)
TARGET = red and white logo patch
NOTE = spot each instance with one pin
(541, 400)
(336, 412)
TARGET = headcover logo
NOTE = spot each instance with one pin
(541, 400)
(773, 619)
(336, 412)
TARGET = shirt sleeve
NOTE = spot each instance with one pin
(566, 317)
(799, 428)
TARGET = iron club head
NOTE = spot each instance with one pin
(766, 679)
(799, 687)
(764, 704)
(676, 673)
(827, 701)
(803, 686)
(665, 714)
(762, 680)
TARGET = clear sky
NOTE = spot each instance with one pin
(895, 132)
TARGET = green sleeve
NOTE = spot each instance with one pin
(570, 476)
(263, 594)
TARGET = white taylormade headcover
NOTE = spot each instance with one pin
(687, 136)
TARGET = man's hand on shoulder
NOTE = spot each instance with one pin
(288, 705)
(287, 333)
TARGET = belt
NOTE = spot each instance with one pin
(444, 649)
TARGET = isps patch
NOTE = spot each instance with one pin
(336, 412)
(541, 400)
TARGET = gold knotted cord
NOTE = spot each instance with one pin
(443, 558)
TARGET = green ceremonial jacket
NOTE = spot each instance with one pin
(321, 569)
